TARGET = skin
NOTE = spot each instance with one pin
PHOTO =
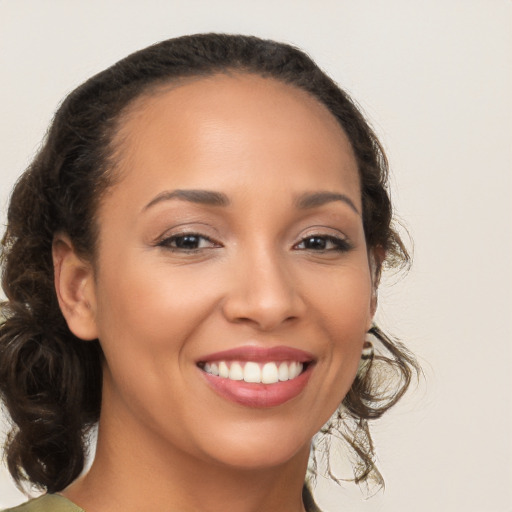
(252, 280)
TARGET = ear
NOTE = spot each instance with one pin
(74, 284)
(376, 257)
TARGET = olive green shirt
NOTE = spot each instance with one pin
(47, 503)
(57, 503)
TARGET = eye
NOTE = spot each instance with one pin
(323, 243)
(187, 242)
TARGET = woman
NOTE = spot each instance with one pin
(192, 262)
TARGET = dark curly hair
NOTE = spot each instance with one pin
(50, 381)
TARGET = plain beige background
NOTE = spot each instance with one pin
(435, 79)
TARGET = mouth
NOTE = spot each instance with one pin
(258, 377)
(255, 372)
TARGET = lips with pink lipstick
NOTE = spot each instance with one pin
(258, 377)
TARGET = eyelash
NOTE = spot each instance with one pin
(167, 242)
(337, 244)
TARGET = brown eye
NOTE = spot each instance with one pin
(316, 243)
(187, 242)
(323, 243)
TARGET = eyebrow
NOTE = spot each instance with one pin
(315, 199)
(211, 198)
(206, 197)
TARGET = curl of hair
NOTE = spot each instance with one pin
(379, 384)
(50, 381)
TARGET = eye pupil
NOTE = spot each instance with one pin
(187, 242)
(315, 242)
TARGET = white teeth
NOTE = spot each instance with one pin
(283, 372)
(223, 370)
(252, 372)
(236, 372)
(294, 370)
(268, 373)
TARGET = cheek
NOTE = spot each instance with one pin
(145, 323)
(344, 300)
(145, 302)
(342, 309)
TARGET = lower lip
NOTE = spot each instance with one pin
(259, 395)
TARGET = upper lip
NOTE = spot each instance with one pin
(259, 354)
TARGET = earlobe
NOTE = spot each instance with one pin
(74, 285)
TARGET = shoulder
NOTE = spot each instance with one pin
(47, 503)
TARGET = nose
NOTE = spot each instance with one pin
(263, 292)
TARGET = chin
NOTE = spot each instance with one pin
(263, 460)
(259, 451)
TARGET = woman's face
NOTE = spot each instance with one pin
(232, 243)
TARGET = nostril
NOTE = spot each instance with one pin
(265, 303)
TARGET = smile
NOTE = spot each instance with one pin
(255, 372)
(255, 376)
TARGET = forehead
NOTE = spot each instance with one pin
(237, 122)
